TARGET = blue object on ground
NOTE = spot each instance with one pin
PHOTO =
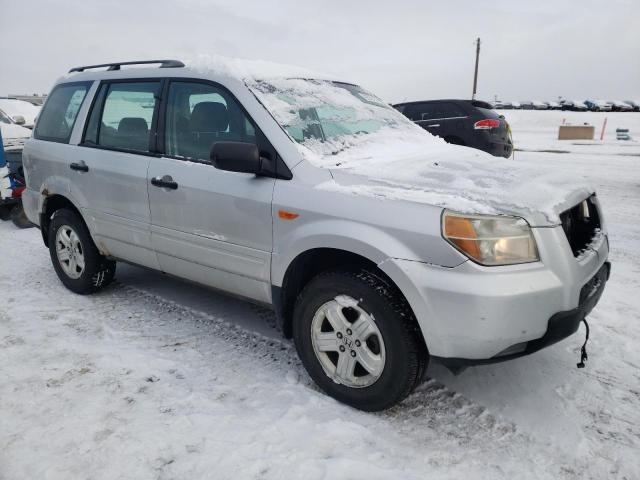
(3, 162)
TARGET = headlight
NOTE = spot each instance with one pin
(490, 239)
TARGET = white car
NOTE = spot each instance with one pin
(21, 112)
(538, 105)
(599, 105)
(12, 135)
(620, 106)
(13, 138)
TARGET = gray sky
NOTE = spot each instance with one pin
(400, 49)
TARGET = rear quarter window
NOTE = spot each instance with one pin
(487, 113)
(59, 113)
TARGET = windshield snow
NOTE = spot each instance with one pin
(328, 117)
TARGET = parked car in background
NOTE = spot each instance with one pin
(597, 105)
(620, 106)
(21, 112)
(516, 105)
(553, 105)
(378, 246)
(503, 105)
(526, 105)
(634, 104)
(11, 171)
(472, 123)
(573, 105)
(538, 105)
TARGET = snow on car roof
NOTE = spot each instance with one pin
(244, 69)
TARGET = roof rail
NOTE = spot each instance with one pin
(117, 65)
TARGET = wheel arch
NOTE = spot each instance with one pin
(50, 205)
(314, 261)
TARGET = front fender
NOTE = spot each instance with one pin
(367, 241)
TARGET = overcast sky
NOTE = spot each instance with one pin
(399, 49)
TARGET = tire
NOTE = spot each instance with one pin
(67, 229)
(19, 218)
(5, 212)
(400, 349)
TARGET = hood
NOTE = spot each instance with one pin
(12, 132)
(458, 178)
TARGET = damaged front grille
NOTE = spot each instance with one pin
(581, 224)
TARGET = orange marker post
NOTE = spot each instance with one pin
(604, 125)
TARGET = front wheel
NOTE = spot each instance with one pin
(358, 339)
(76, 259)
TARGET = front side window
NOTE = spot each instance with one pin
(198, 115)
(122, 116)
(60, 111)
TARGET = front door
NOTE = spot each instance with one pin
(209, 225)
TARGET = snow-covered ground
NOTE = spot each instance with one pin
(156, 378)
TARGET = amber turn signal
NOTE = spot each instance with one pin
(460, 231)
(285, 215)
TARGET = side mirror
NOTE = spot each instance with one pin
(19, 120)
(236, 157)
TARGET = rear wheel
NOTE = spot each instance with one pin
(5, 212)
(358, 339)
(76, 260)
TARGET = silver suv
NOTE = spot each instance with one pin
(378, 245)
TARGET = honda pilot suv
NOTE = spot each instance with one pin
(379, 245)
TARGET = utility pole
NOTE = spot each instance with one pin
(475, 75)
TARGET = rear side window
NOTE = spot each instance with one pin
(487, 113)
(434, 111)
(451, 110)
(122, 116)
(59, 113)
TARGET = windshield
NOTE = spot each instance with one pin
(4, 118)
(325, 116)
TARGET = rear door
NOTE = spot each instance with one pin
(111, 167)
(209, 225)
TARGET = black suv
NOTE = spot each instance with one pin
(472, 123)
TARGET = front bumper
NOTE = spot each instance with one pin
(476, 314)
(560, 326)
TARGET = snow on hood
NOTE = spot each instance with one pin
(13, 135)
(372, 149)
(415, 166)
(376, 151)
(14, 107)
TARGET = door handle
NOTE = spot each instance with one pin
(433, 126)
(164, 182)
(80, 167)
